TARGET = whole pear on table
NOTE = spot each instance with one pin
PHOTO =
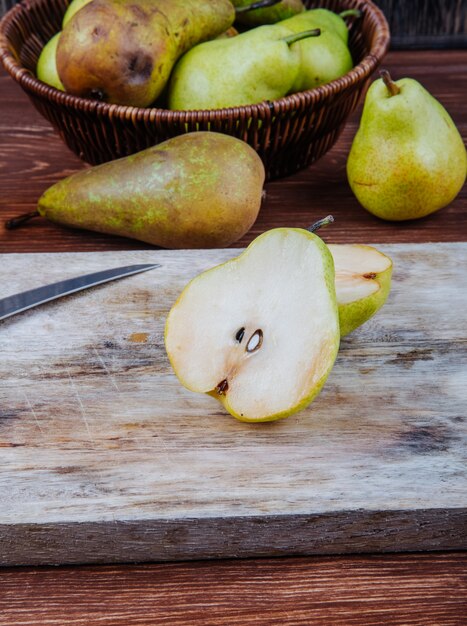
(407, 159)
(260, 333)
(198, 190)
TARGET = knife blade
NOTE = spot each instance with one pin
(19, 302)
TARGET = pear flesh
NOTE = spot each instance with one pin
(407, 159)
(260, 332)
(363, 282)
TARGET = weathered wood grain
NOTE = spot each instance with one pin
(105, 457)
(400, 590)
(32, 158)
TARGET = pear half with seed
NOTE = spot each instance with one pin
(363, 282)
(260, 332)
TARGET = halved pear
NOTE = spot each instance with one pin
(260, 332)
(363, 282)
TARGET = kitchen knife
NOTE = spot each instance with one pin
(27, 299)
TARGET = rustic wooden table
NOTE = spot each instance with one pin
(378, 589)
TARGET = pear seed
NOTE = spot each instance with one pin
(255, 341)
(240, 334)
(222, 387)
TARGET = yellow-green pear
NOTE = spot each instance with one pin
(270, 15)
(407, 159)
(261, 332)
(363, 282)
(46, 69)
(257, 65)
(324, 58)
(326, 20)
(198, 190)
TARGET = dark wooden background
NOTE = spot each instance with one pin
(410, 589)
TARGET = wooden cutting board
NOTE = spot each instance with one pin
(104, 457)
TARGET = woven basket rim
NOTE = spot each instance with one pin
(263, 110)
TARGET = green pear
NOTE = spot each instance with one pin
(363, 282)
(122, 51)
(257, 65)
(323, 58)
(280, 11)
(327, 21)
(73, 8)
(261, 332)
(407, 159)
(46, 69)
(198, 190)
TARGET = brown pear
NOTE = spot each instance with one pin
(198, 190)
(122, 51)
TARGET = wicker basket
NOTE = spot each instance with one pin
(289, 134)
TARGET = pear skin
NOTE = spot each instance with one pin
(255, 66)
(73, 8)
(320, 18)
(122, 51)
(199, 190)
(407, 159)
(269, 15)
(323, 59)
(46, 69)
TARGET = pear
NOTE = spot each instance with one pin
(407, 159)
(46, 69)
(198, 190)
(323, 58)
(257, 65)
(363, 282)
(327, 21)
(280, 11)
(73, 8)
(122, 51)
(260, 332)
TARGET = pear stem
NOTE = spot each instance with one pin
(329, 219)
(16, 222)
(303, 35)
(350, 13)
(261, 4)
(390, 84)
